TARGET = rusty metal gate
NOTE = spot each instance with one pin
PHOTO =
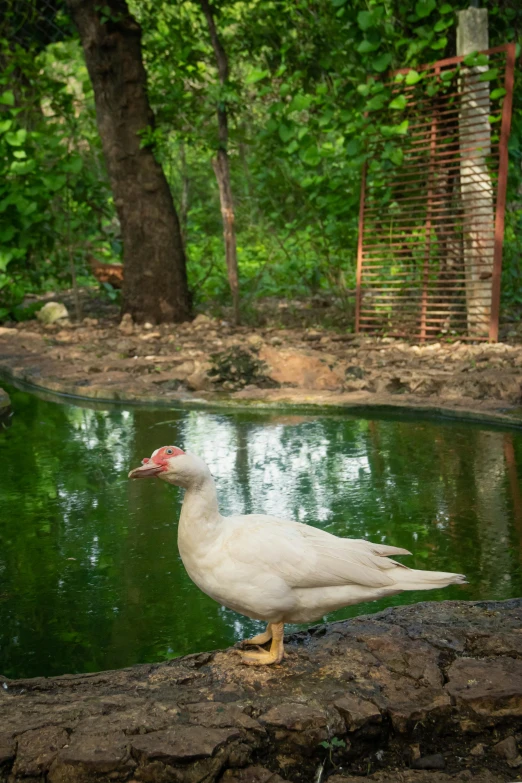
(431, 219)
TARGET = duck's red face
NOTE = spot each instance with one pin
(157, 463)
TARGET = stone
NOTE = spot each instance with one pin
(429, 762)
(507, 748)
(295, 717)
(489, 691)
(202, 320)
(217, 715)
(199, 379)
(201, 717)
(126, 325)
(7, 748)
(182, 743)
(37, 749)
(356, 711)
(301, 369)
(92, 754)
(478, 749)
(52, 312)
(252, 775)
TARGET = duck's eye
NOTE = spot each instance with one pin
(169, 451)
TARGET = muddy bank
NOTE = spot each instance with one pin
(210, 360)
(427, 693)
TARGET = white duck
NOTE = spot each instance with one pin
(272, 569)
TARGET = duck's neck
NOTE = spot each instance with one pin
(200, 515)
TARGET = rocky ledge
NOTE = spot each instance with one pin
(427, 693)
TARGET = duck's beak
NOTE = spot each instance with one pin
(146, 470)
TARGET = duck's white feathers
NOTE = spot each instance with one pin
(307, 557)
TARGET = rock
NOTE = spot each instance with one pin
(202, 320)
(486, 691)
(356, 711)
(414, 776)
(37, 749)
(183, 743)
(255, 340)
(301, 369)
(91, 755)
(252, 775)
(295, 717)
(477, 750)
(7, 748)
(365, 683)
(199, 379)
(126, 324)
(52, 312)
(430, 762)
(507, 748)
(90, 321)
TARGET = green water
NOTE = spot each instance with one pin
(90, 576)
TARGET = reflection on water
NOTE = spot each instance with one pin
(90, 576)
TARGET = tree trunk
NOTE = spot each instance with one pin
(221, 164)
(155, 282)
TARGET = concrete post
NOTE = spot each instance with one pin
(475, 180)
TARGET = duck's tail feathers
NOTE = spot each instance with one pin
(411, 579)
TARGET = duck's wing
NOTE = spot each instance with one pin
(307, 557)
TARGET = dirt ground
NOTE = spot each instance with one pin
(283, 361)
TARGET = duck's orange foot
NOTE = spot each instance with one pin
(261, 658)
(261, 638)
(266, 657)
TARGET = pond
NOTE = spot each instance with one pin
(90, 576)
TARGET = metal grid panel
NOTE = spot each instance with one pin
(431, 219)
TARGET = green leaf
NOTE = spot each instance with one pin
(474, 58)
(22, 166)
(399, 102)
(447, 76)
(300, 102)
(382, 62)
(397, 156)
(5, 125)
(16, 138)
(498, 93)
(488, 75)
(7, 98)
(286, 132)
(353, 147)
(367, 46)
(446, 9)
(363, 89)
(442, 24)
(364, 19)
(412, 77)
(375, 103)
(440, 44)
(310, 155)
(423, 8)
(5, 257)
(256, 76)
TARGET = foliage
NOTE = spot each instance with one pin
(55, 203)
(302, 97)
(236, 368)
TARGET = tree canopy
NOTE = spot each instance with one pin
(303, 81)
